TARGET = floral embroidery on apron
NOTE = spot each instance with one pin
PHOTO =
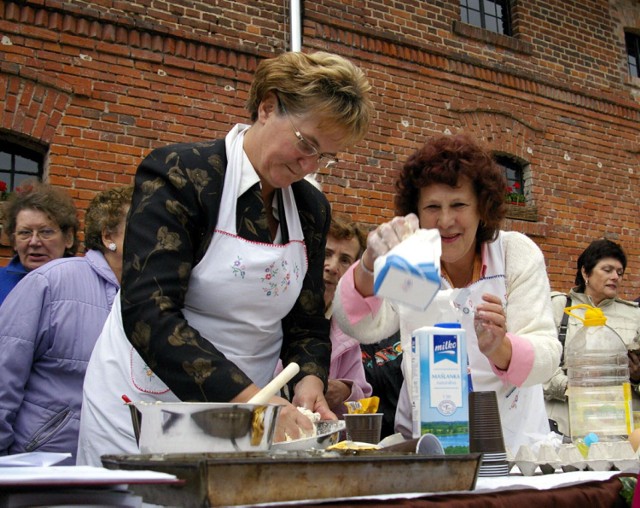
(238, 268)
(279, 278)
(143, 378)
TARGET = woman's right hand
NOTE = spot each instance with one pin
(379, 242)
(291, 424)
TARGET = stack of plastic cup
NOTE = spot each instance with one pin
(485, 433)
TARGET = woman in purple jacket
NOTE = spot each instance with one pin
(48, 326)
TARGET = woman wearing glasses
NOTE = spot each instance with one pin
(224, 253)
(41, 222)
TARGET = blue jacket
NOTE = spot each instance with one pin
(10, 275)
(49, 324)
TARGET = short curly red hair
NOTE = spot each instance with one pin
(443, 160)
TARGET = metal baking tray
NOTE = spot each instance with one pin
(212, 479)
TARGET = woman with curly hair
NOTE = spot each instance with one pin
(453, 185)
(41, 222)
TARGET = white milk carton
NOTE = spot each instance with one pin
(410, 272)
(440, 385)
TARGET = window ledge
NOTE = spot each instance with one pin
(480, 34)
(522, 212)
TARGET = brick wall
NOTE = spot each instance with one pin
(102, 83)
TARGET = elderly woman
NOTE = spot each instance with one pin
(599, 275)
(48, 326)
(41, 222)
(224, 257)
(453, 185)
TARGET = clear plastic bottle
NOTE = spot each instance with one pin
(599, 391)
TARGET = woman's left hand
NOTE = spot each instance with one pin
(308, 393)
(490, 323)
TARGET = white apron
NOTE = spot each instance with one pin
(522, 411)
(238, 294)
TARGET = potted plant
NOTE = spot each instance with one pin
(514, 195)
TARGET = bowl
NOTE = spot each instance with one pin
(327, 434)
(203, 427)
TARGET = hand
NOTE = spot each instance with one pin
(634, 365)
(337, 392)
(490, 324)
(386, 236)
(291, 422)
(308, 393)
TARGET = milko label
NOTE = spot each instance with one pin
(445, 374)
(439, 386)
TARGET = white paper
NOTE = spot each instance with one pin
(33, 459)
(79, 475)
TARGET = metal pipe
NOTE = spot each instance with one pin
(296, 20)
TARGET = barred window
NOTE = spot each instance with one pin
(492, 15)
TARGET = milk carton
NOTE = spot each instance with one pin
(409, 273)
(440, 385)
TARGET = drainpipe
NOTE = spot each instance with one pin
(296, 21)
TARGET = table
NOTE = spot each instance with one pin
(600, 493)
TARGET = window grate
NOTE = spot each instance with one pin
(492, 15)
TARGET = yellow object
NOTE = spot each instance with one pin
(363, 406)
(593, 316)
(582, 447)
(352, 445)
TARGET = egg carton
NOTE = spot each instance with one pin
(602, 456)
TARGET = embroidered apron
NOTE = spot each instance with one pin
(522, 411)
(238, 294)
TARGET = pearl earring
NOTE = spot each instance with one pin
(112, 247)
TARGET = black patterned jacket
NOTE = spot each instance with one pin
(173, 214)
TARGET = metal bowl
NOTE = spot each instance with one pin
(203, 427)
(327, 434)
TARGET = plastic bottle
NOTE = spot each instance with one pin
(599, 391)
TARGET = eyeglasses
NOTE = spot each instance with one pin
(307, 149)
(25, 235)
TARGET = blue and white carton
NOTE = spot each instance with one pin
(409, 274)
(440, 385)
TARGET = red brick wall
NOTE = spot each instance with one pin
(102, 83)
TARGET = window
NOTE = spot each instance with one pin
(492, 15)
(514, 172)
(633, 53)
(18, 164)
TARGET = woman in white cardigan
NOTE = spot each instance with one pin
(452, 184)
